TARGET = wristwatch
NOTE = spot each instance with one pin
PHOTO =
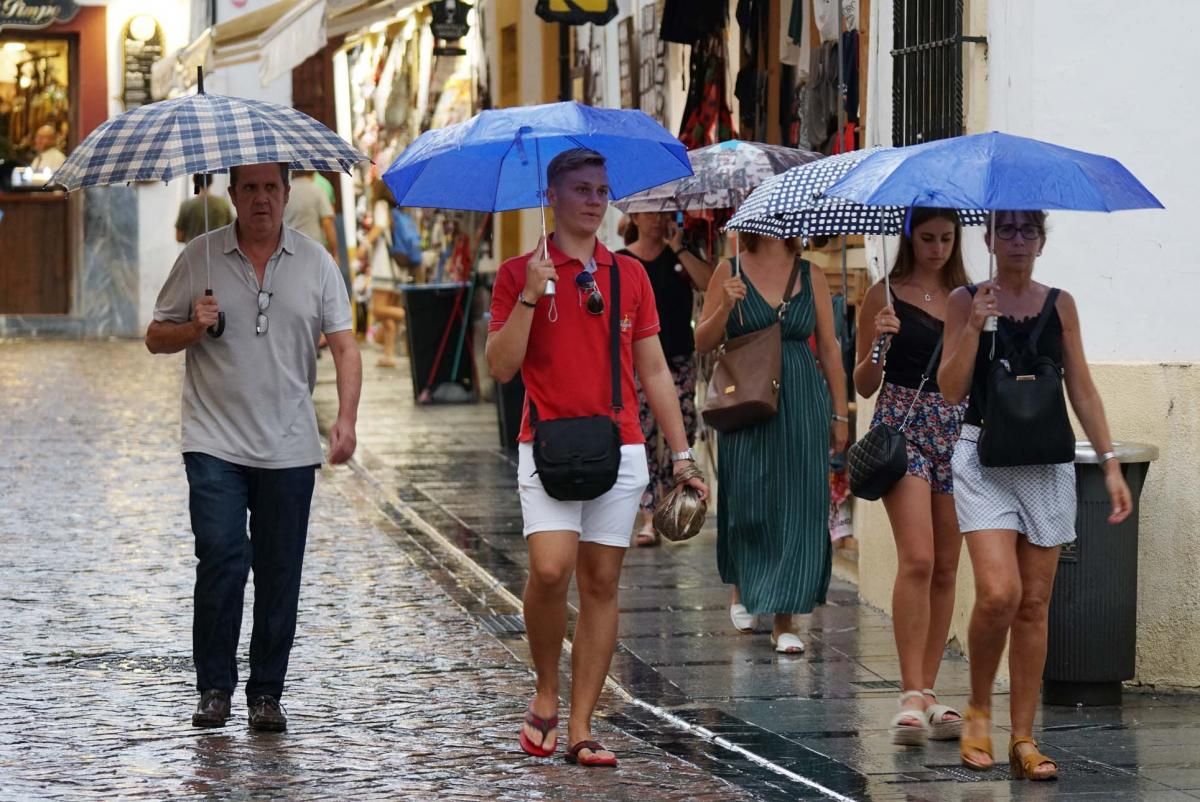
(841, 418)
(680, 456)
(521, 299)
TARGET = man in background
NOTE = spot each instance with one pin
(190, 222)
(310, 212)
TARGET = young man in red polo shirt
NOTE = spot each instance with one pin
(561, 345)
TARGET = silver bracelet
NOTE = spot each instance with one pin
(1106, 456)
(841, 418)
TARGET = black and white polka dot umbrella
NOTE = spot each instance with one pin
(793, 204)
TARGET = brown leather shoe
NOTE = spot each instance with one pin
(213, 710)
(266, 714)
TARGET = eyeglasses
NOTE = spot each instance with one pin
(586, 282)
(261, 322)
(1027, 231)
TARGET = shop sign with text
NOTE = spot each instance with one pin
(35, 14)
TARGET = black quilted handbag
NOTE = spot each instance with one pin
(880, 458)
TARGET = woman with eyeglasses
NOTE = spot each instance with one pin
(674, 271)
(907, 327)
(1016, 518)
(773, 542)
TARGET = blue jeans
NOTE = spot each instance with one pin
(220, 496)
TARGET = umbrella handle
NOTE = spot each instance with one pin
(218, 328)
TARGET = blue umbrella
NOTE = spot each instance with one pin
(996, 172)
(496, 161)
(993, 171)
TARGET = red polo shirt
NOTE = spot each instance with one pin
(567, 369)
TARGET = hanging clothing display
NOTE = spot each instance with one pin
(687, 21)
(849, 57)
(707, 118)
(789, 46)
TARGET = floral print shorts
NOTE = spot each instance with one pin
(932, 431)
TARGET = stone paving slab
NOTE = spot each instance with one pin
(396, 691)
(825, 713)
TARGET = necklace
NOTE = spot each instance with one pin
(928, 296)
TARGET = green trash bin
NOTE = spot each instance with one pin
(1092, 639)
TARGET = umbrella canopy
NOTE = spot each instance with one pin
(496, 161)
(202, 133)
(994, 171)
(723, 177)
(794, 204)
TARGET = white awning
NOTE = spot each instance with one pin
(293, 38)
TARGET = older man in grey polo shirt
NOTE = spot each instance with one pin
(250, 441)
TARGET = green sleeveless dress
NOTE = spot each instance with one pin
(773, 498)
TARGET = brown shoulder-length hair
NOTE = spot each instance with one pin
(954, 274)
(752, 241)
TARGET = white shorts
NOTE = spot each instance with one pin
(607, 520)
(1036, 500)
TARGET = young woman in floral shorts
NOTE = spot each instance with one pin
(921, 505)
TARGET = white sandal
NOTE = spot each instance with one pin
(941, 728)
(909, 727)
(787, 643)
(743, 620)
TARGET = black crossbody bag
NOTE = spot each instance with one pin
(880, 458)
(1026, 421)
(578, 459)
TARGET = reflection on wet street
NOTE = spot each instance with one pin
(410, 668)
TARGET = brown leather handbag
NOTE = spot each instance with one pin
(744, 388)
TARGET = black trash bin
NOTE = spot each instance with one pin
(510, 404)
(435, 316)
(1093, 609)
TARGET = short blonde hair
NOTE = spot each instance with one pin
(571, 160)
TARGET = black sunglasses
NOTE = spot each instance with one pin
(586, 282)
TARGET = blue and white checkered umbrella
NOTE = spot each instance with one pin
(793, 204)
(202, 133)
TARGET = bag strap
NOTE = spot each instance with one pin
(614, 326)
(791, 287)
(925, 377)
(1043, 318)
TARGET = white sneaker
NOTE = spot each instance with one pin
(743, 620)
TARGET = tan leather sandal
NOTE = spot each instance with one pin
(969, 744)
(1025, 767)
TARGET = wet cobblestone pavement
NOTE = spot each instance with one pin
(777, 727)
(396, 689)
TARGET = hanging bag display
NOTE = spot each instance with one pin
(744, 388)
(1026, 421)
(880, 458)
(578, 459)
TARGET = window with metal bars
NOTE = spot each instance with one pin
(927, 70)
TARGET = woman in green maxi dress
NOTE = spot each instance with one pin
(773, 540)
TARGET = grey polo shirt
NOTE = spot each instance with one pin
(247, 398)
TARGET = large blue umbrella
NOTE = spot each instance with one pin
(496, 161)
(993, 171)
(997, 172)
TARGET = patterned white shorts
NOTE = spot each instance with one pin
(1036, 500)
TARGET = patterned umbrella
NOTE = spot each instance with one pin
(794, 205)
(724, 176)
(202, 133)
